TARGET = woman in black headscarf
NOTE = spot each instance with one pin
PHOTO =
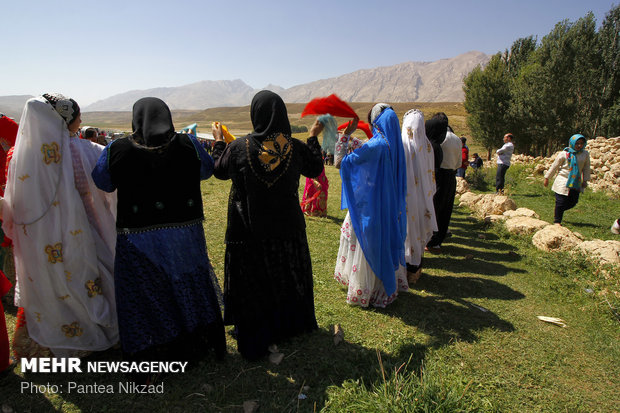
(268, 274)
(166, 291)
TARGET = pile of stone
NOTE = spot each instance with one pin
(545, 236)
(604, 164)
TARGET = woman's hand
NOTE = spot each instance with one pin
(316, 128)
(546, 182)
(216, 130)
(351, 127)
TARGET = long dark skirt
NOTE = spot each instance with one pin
(165, 291)
(268, 293)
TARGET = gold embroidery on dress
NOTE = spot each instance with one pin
(273, 151)
(51, 153)
(76, 232)
(54, 253)
(64, 297)
(23, 177)
(55, 203)
(93, 287)
(410, 132)
(68, 275)
(38, 316)
(72, 330)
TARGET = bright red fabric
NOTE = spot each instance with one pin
(8, 130)
(8, 134)
(331, 104)
(5, 285)
(465, 157)
(314, 201)
(360, 125)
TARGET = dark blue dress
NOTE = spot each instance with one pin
(164, 282)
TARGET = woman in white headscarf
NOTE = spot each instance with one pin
(421, 220)
(63, 235)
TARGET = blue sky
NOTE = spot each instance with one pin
(90, 50)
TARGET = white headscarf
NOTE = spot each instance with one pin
(63, 237)
(421, 220)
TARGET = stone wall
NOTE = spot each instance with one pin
(604, 162)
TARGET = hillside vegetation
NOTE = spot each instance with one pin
(238, 118)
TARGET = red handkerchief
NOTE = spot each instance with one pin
(331, 104)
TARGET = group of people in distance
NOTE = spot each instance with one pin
(109, 244)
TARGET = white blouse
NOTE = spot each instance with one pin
(561, 166)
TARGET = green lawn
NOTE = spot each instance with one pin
(464, 338)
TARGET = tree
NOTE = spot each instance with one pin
(609, 46)
(557, 93)
(519, 54)
(545, 93)
(487, 97)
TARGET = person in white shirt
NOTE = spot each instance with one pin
(446, 184)
(573, 168)
(503, 162)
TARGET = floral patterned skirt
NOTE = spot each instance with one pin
(352, 271)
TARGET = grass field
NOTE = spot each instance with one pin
(464, 338)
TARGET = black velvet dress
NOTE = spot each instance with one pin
(268, 288)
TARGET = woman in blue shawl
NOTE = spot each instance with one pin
(572, 166)
(374, 185)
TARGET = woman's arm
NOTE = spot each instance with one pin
(220, 153)
(342, 144)
(101, 174)
(555, 167)
(586, 172)
(206, 162)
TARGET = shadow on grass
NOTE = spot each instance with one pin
(445, 318)
(580, 224)
(466, 287)
(517, 196)
(482, 263)
(311, 360)
(335, 220)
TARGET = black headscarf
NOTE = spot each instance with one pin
(152, 122)
(269, 115)
(436, 129)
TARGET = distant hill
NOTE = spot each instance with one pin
(200, 95)
(12, 106)
(438, 81)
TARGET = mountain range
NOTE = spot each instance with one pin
(437, 81)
